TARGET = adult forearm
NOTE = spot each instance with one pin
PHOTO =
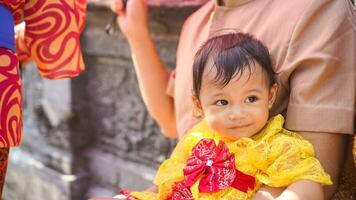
(152, 75)
(153, 79)
(329, 150)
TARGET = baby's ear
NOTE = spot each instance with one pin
(197, 110)
(272, 95)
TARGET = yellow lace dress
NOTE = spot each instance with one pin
(275, 157)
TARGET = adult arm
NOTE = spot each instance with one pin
(151, 74)
(329, 150)
(322, 84)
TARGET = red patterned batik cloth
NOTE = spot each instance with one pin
(10, 100)
(51, 39)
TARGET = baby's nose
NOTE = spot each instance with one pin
(236, 114)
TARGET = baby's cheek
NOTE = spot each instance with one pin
(215, 123)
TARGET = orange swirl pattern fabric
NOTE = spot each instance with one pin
(10, 100)
(51, 39)
(52, 34)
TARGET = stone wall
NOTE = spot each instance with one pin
(91, 135)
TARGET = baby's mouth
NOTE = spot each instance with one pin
(240, 126)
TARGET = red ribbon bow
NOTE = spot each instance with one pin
(181, 192)
(216, 167)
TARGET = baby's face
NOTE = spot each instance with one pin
(241, 108)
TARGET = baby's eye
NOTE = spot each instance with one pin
(251, 99)
(221, 102)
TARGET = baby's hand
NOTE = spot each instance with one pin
(120, 196)
(111, 198)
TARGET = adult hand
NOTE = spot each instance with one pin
(131, 19)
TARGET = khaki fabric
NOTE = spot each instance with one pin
(312, 43)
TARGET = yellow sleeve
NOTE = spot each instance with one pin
(291, 158)
(145, 195)
(169, 172)
(172, 168)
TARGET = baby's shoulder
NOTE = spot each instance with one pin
(289, 142)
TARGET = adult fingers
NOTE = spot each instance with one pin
(117, 6)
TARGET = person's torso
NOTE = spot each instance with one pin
(270, 21)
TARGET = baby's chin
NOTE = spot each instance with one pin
(233, 134)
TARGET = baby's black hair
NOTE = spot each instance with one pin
(231, 54)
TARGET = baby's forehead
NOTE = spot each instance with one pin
(211, 73)
(246, 81)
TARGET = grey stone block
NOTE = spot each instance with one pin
(56, 100)
(29, 179)
(115, 173)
